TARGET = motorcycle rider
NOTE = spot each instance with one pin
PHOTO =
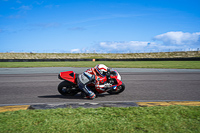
(93, 75)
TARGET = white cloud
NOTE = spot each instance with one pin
(123, 46)
(39, 3)
(164, 42)
(25, 7)
(75, 51)
(14, 16)
(47, 25)
(18, 1)
(170, 41)
(48, 6)
(178, 38)
(51, 6)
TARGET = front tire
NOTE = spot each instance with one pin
(120, 89)
(67, 89)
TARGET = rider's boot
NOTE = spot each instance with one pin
(91, 96)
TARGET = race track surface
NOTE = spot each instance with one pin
(30, 86)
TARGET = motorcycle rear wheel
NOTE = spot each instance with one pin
(67, 89)
(120, 89)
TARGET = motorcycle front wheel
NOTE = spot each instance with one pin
(120, 89)
(67, 89)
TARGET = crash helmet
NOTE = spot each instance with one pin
(101, 69)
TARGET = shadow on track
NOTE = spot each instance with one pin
(77, 96)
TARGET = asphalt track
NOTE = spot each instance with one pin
(25, 86)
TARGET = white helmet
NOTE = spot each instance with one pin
(101, 69)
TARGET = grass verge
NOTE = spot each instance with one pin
(133, 119)
(114, 64)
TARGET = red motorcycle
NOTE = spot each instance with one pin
(69, 86)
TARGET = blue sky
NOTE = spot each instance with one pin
(104, 26)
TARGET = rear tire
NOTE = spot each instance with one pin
(120, 89)
(67, 89)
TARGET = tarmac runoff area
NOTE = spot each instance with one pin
(96, 105)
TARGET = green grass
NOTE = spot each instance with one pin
(113, 64)
(157, 119)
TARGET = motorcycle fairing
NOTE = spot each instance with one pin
(69, 76)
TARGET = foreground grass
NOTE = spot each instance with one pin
(134, 119)
(113, 64)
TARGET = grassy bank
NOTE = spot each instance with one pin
(134, 119)
(183, 54)
(114, 64)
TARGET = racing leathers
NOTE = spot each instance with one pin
(88, 77)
